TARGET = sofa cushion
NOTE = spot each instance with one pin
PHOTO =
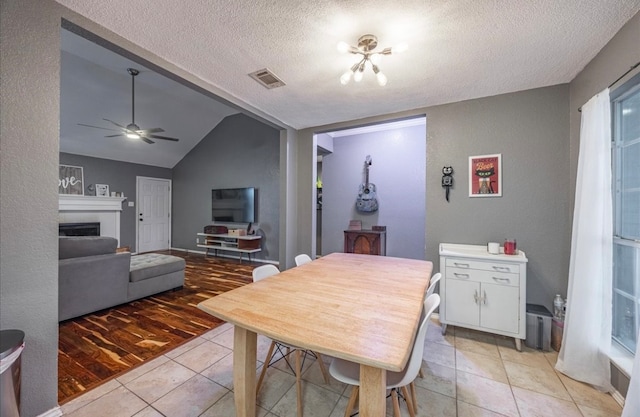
(151, 265)
(79, 246)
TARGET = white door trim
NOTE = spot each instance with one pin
(138, 179)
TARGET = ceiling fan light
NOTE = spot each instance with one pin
(133, 135)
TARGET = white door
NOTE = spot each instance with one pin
(154, 215)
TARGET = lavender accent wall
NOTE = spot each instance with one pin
(399, 173)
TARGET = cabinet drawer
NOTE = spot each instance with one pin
(499, 278)
(484, 266)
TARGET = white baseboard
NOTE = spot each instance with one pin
(54, 412)
(618, 397)
(201, 252)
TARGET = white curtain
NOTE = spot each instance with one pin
(632, 402)
(584, 355)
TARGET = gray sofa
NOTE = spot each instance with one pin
(92, 276)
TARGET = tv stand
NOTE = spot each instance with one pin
(230, 243)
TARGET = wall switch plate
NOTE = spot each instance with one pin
(131, 204)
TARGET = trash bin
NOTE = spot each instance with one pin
(538, 327)
(11, 347)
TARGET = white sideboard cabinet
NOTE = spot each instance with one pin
(482, 291)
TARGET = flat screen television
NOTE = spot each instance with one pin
(234, 205)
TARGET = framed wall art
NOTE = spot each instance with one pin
(70, 180)
(102, 190)
(485, 175)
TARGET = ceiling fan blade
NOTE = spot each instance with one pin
(113, 136)
(163, 137)
(146, 139)
(152, 130)
(120, 126)
(96, 127)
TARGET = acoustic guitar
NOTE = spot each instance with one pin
(367, 201)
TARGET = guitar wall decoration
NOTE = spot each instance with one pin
(367, 201)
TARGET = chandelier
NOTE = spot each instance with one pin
(366, 46)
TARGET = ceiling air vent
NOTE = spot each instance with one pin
(266, 78)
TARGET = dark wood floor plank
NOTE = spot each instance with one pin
(98, 347)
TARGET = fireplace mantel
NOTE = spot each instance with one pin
(80, 209)
(89, 203)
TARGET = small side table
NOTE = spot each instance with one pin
(367, 242)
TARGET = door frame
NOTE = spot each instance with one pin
(169, 181)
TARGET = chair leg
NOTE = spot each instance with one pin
(396, 405)
(407, 398)
(322, 368)
(265, 366)
(352, 401)
(298, 353)
(421, 374)
(414, 398)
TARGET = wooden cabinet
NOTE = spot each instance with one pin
(368, 242)
(227, 242)
(482, 291)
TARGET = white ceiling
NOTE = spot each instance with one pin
(458, 50)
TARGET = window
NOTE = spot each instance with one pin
(626, 208)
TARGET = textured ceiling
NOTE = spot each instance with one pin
(458, 49)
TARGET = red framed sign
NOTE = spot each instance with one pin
(485, 176)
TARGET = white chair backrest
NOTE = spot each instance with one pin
(302, 259)
(264, 271)
(432, 284)
(415, 360)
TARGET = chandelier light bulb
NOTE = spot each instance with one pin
(343, 47)
(382, 79)
(357, 77)
(399, 48)
(375, 59)
(346, 77)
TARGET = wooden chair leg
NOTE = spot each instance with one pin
(298, 353)
(414, 397)
(352, 401)
(396, 405)
(421, 374)
(407, 398)
(323, 369)
(265, 365)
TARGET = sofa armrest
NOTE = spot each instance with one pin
(92, 283)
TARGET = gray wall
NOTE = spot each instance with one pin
(29, 99)
(120, 176)
(398, 170)
(530, 129)
(238, 152)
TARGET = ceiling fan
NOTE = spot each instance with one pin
(132, 130)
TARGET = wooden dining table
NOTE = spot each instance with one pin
(362, 308)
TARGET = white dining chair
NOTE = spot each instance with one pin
(349, 372)
(302, 259)
(266, 271)
(432, 286)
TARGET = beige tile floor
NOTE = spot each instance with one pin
(467, 374)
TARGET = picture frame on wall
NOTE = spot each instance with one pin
(485, 175)
(102, 190)
(70, 180)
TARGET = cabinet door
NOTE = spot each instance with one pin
(499, 308)
(460, 302)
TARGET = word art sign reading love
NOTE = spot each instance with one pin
(71, 180)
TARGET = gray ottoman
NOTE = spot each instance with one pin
(151, 273)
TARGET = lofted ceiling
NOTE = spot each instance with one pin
(458, 50)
